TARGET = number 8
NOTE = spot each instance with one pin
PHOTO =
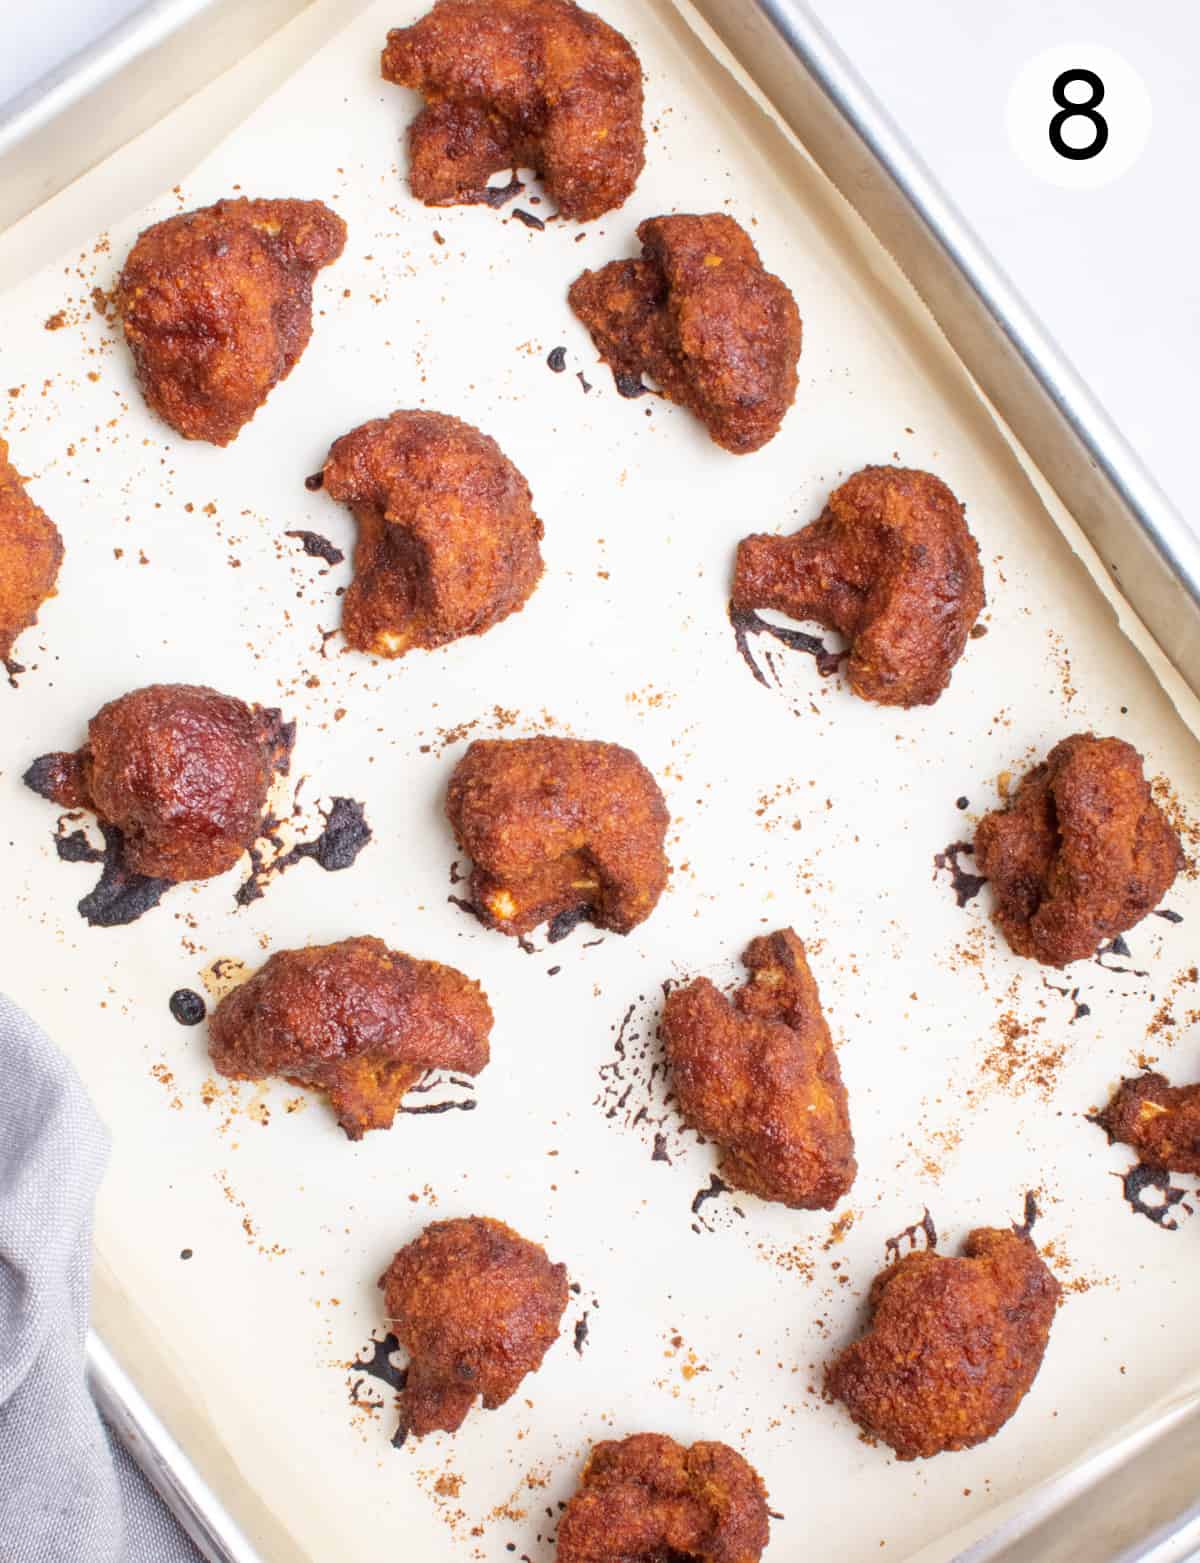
(1085, 110)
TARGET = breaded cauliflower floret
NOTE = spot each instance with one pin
(477, 1307)
(760, 1078)
(182, 772)
(31, 552)
(355, 1019)
(952, 1347)
(890, 565)
(448, 544)
(217, 307)
(699, 314)
(560, 829)
(1159, 1120)
(1080, 853)
(513, 84)
(647, 1499)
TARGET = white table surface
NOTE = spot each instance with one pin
(1113, 272)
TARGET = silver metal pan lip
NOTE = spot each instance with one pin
(45, 99)
(165, 1465)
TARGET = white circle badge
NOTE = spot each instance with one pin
(1078, 116)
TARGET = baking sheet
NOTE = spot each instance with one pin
(968, 1072)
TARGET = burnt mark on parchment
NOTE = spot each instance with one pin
(56, 778)
(345, 834)
(316, 546)
(527, 219)
(494, 196)
(965, 886)
(434, 1082)
(566, 923)
(716, 1187)
(1168, 915)
(1082, 1010)
(119, 896)
(1030, 1215)
(556, 359)
(630, 385)
(1119, 948)
(1138, 1180)
(635, 1093)
(379, 1365)
(892, 1246)
(746, 623)
(187, 1007)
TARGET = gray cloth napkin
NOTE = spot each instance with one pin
(67, 1492)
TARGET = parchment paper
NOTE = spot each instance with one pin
(969, 1072)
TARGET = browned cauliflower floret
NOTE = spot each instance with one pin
(760, 1078)
(217, 307)
(699, 314)
(647, 1499)
(513, 84)
(1080, 853)
(477, 1307)
(447, 537)
(560, 829)
(890, 565)
(355, 1019)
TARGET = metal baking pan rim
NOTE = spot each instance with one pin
(163, 1462)
(45, 99)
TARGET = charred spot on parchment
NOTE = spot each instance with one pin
(317, 547)
(557, 359)
(314, 482)
(119, 897)
(965, 886)
(337, 847)
(630, 385)
(461, 1104)
(527, 218)
(494, 196)
(635, 1094)
(1082, 1010)
(1138, 1179)
(714, 1191)
(581, 1332)
(379, 1365)
(746, 623)
(566, 923)
(893, 1245)
(187, 1006)
(1168, 915)
(1030, 1215)
(1118, 947)
(53, 776)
